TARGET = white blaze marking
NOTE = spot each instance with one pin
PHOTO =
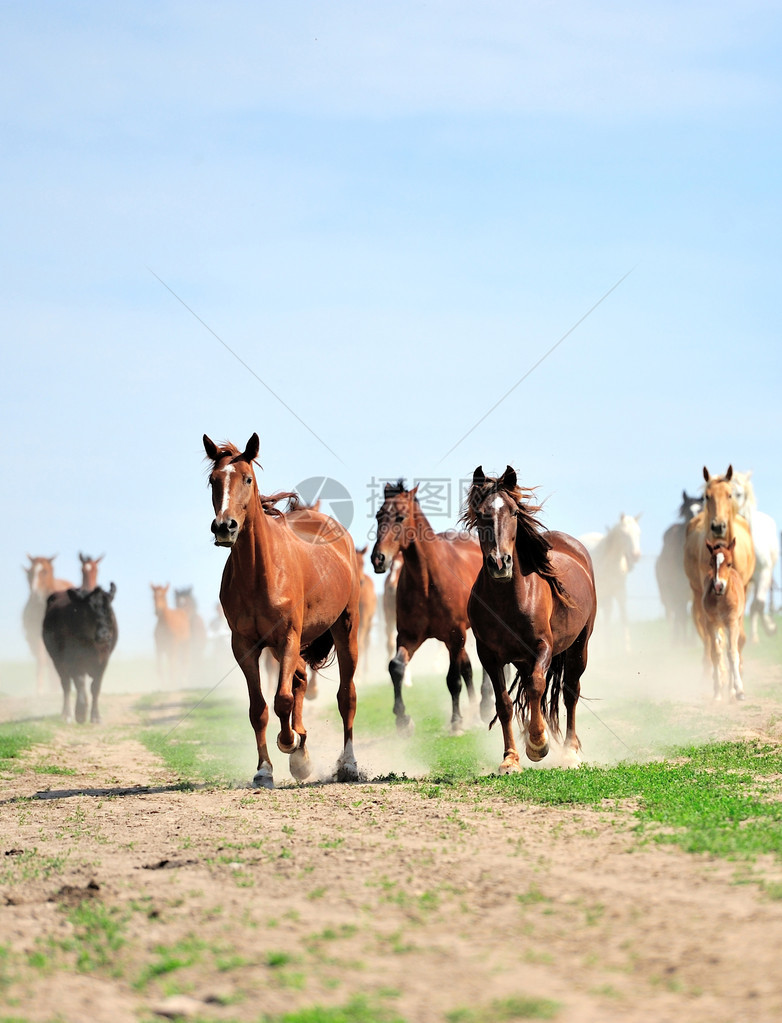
(497, 503)
(226, 489)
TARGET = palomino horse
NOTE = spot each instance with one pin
(291, 582)
(717, 521)
(723, 613)
(89, 570)
(533, 605)
(172, 637)
(367, 606)
(614, 554)
(438, 570)
(42, 583)
(765, 542)
(669, 569)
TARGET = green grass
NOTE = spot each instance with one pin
(507, 1010)
(17, 737)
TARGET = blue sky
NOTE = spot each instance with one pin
(390, 213)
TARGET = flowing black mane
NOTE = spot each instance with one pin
(532, 546)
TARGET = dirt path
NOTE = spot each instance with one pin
(124, 896)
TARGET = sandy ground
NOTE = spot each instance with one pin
(224, 904)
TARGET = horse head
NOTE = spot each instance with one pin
(630, 533)
(160, 597)
(396, 528)
(40, 574)
(492, 511)
(232, 480)
(689, 507)
(720, 561)
(89, 570)
(718, 499)
(743, 492)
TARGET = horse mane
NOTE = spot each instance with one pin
(395, 489)
(270, 501)
(532, 546)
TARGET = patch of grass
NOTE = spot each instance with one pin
(53, 769)
(357, 1010)
(17, 737)
(506, 1010)
(98, 937)
(722, 799)
(169, 958)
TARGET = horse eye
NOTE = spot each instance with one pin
(400, 518)
(248, 480)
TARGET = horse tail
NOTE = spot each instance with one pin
(549, 703)
(320, 652)
(555, 678)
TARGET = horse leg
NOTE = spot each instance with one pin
(288, 739)
(406, 647)
(95, 717)
(734, 659)
(504, 707)
(459, 668)
(575, 666)
(535, 736)
(345, 633)
(67, 713)
(300, 765)
(247, 654)
(715, 652)
(80, 711)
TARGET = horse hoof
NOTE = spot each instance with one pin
(293, 746)
(536, 755)
(300, 765)
(457, 728)
(509, 766)
(347, 771)
(571, 759)
(405, 725)
(263, 778)
(487, 711)
(741, 696)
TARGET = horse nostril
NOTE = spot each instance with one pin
(214, 526)
(232, 525)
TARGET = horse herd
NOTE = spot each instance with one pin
(294, 590)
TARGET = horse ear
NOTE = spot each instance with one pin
(508, 478)
(638, 516)
(684, 496)
(729, 473)
(413, 492)
(82, 559)
(710, 546)
(362, 550)
(98, 560)
(732, 544)
(478, 477)
(210, 448)
(112, 591)
(706, 475)
(252, 448)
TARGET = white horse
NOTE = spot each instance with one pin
(765, 540)
(614, 554)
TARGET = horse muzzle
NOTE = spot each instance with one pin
(380, 562)
(225, 532)
(719, 528)
(499, 567)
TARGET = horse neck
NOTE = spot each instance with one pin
(420, 555)
(256, 544)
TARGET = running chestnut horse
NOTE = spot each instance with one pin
(723, 614)
(291, 582)
(438, 570)
(717, 521)
(533, 605)
(42, 583)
